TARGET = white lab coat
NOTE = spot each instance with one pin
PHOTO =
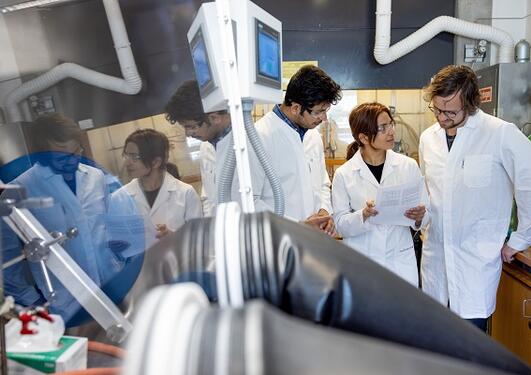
(211, 161)
(389, 245)
(300, 167)
(207, 167)
(176, 203)
(84, 211)
(471, 190)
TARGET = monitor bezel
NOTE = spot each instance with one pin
(262, 78)
(211, 85)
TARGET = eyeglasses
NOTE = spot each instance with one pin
(449, 114)
(133, 156)
(319, 113)
(190, 126)
(384, 128)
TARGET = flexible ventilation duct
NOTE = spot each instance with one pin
(176, 332)
(227, 173)
(238, 257)
(385, 54)
(130, 84)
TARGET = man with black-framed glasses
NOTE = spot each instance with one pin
(474, 164)
(296, 149)
(186, 109)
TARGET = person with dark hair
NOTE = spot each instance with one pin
(172, 169)
(165, 202)
(213, 129)
(473, 163)
(372, 164)
(296, 149)
(80, 196)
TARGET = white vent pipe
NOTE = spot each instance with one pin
(385, 54)
(130, 84)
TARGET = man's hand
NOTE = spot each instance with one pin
(507, 253)
(162, 230)
(416, 213)
(322, 221)
(330, 227)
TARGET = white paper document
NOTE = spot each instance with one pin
(393, 201)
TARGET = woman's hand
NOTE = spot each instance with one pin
(369, 210)
(416, 213)
(162, 230)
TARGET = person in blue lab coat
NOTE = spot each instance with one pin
(80, 194)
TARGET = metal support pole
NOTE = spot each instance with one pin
(230, 72)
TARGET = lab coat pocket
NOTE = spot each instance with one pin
(489, 240)
(174, 216)
(477, 170)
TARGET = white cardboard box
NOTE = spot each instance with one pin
(71, 356)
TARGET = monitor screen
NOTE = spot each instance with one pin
(201, 64)
(268, 70)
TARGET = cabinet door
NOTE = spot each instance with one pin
(510, 326)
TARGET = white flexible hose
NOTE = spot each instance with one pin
(385, 54)
(130, 84)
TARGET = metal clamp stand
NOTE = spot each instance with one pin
(44, 248)
(37, 251)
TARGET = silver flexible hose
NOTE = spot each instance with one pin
(227, 172)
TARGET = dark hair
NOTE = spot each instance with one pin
(452, 78)
(151, 145)
(173, 170)
(185, 104)
(364, 120)
(311, 86)
(52, 127)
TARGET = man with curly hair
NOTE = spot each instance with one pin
(296, 149)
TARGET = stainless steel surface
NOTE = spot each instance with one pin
(479, 11)
(521, 51)
(511, 91)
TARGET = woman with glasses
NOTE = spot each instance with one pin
(372, 163)
(165, 202)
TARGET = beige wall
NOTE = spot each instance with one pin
(412, 116)
(107, 146)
